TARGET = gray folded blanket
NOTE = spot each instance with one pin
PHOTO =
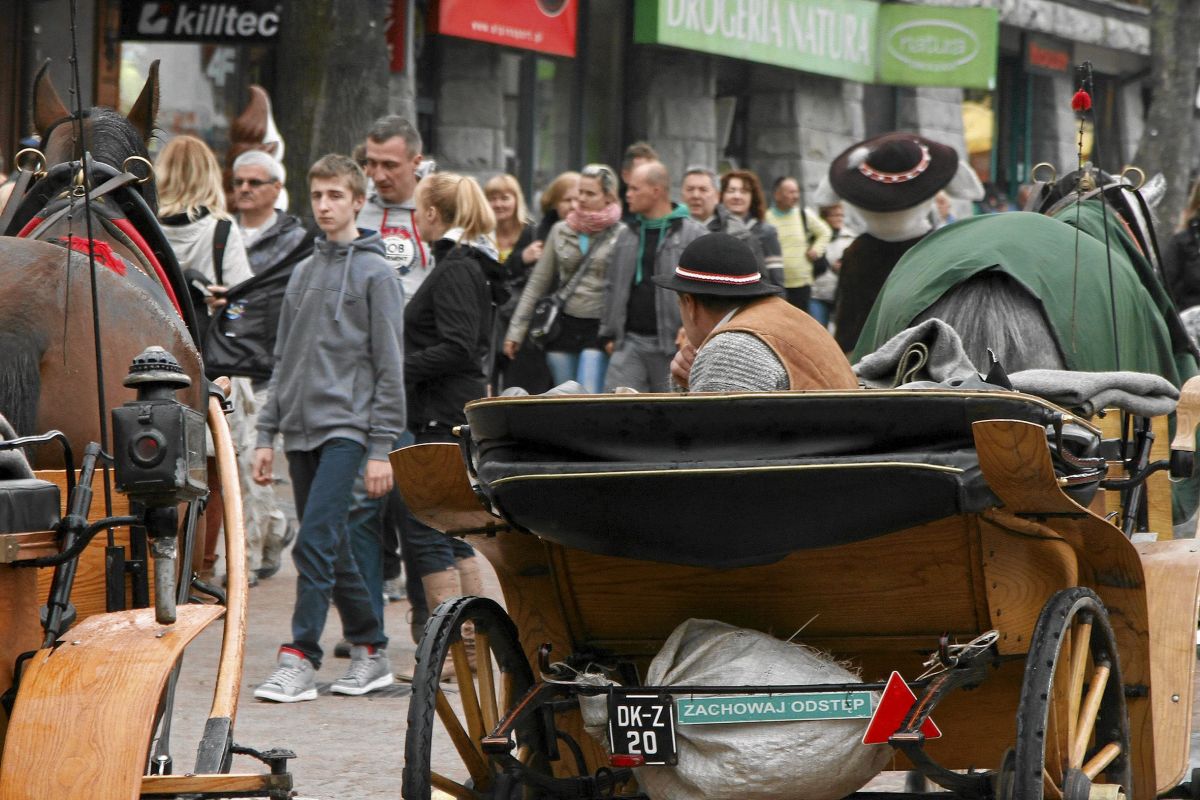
(1089, 392)
(931, 353)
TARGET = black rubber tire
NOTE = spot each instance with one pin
(1112, 723)
(442, 630)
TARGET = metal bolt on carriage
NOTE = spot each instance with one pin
(96, 610)
(989, 552)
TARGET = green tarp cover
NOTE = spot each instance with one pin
(1041, 253)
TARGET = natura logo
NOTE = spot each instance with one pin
(934, 45)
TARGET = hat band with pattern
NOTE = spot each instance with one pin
(898, 177)
(712, 277)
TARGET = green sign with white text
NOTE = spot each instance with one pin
(828, 37)
(773, 708)
(860, 40)
(926, 46)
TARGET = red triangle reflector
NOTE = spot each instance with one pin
(894, 705)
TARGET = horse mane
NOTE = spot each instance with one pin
(991, 310)
(112, 139)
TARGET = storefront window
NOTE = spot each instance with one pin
(204, 85)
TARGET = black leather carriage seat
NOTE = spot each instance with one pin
(725, 481)
(28, 505)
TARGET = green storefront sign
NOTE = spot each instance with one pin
(858, 40)
(925, 46)
(829, 37)
(773, 708)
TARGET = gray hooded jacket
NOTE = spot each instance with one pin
(339, 360)
(402, 245)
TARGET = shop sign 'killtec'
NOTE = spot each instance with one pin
(854, 39)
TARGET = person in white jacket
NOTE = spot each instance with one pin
(191, 209)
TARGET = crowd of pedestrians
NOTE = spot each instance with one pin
(420, 291)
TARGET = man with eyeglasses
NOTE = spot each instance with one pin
(275, 242)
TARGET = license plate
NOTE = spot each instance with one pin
(642, 725)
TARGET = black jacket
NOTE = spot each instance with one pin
(1181, 266)
(447, 329)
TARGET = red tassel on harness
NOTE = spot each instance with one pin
(1082, 101)
(103, 252)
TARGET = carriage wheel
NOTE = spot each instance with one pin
(502, 677)
(1072, 728)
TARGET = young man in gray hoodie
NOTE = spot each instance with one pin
(337, 396)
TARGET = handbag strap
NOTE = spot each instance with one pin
(565, 294)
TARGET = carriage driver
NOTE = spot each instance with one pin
(741, 335)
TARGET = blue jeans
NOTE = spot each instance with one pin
(587, 366)
(426, 549)
(820, 310)
(323, 481)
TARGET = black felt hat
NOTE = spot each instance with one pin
(718, 264)
(892, 172)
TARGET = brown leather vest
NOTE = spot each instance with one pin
(811, 356)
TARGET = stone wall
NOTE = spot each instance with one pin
(798, 123)
(673, 106)
(469, 133)
(933, 113)
(1055, 135)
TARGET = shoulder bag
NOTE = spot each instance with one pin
(545, 323)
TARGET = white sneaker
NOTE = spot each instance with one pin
(292, 681)
(368, 671)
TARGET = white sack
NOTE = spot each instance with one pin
(815, 760)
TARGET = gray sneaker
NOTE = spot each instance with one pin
(292, 681)
(394, 591)
(368, 672)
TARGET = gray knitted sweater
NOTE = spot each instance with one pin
(737, 362)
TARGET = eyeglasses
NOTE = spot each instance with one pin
(253, 183)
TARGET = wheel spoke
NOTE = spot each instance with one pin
(1080, 649)
(1050, 788)
(452, 788)
(1102, 759)
(487, 680)
(466, 688)
(1088, 713)
(468, 749)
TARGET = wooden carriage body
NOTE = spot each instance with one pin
(881, 602)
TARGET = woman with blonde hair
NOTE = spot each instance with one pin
(556, 201)
(191, 208)
(518, 253)
(209, 249)
(447, 336)
(577, 254)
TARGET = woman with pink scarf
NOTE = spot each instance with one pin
(584, 240)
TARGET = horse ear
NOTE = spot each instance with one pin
(145, 110)
(48, 107)
(270, 148)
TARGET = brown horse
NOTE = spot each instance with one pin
(48, 351)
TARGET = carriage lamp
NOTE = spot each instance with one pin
(159, 460)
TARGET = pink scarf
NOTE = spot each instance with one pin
(592, 222)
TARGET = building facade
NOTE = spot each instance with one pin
(541, 86)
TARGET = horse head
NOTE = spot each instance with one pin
(111, 137)
(253, 129)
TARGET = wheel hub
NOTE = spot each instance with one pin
(1077, 786)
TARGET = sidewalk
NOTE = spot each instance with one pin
(345, 746)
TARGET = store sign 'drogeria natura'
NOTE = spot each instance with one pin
(829, 37)
(854, 39)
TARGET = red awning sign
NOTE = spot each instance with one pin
(547, 26)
